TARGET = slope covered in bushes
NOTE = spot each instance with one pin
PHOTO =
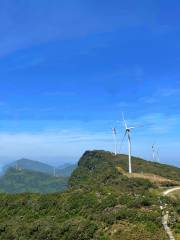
(100, 204)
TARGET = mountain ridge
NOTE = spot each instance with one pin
(22, 180)
(39, 166)
(89, 158)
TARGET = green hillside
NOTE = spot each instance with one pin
(101, 162)
(18, 181)
(101, 204)
(139, 165)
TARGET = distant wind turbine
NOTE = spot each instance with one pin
(158, 158)
(115, 140)
(128, 131)
(16, 165)
(153, 152)
(54, 172)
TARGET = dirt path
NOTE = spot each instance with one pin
(170, 190)
(165, 214)
(165, 219)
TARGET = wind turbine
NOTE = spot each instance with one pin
(153, 152)
(54, 172)
(128, 131)
(115, 140)
(16, 165)
(158, 158)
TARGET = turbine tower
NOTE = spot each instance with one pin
(115, 140)
(158, 158)
(16, 165)
(153, 152)
(128, 131)
(54, 172)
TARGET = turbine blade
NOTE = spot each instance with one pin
(129, 138)
(122, 140)
(114, 131)
(125, 124)
(138, 125)
(135, 126)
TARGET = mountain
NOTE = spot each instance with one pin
(65, 170)
(64, 165)
(102, 202)
(18, 181)
(151, 171)
(31, 165)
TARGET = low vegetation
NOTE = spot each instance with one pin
(101, 203)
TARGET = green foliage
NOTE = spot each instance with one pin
(78, 228)
(94, 168)
(100, 204)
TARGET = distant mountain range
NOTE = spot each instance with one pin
(67, 170)
(22, 180)
(64, 170)
(64, 165)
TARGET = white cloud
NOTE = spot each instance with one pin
(50, 145)
(55, 144)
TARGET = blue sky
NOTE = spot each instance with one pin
(69, 68)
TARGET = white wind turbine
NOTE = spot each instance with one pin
(54, 172)
(153, 152)
(115, 140)
(128, 133)
(17, 165)
(158, 158)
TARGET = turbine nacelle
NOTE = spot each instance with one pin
(129, 129)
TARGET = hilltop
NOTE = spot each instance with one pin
(94, 163)
(101, 203)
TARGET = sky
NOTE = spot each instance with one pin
(70, 68)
